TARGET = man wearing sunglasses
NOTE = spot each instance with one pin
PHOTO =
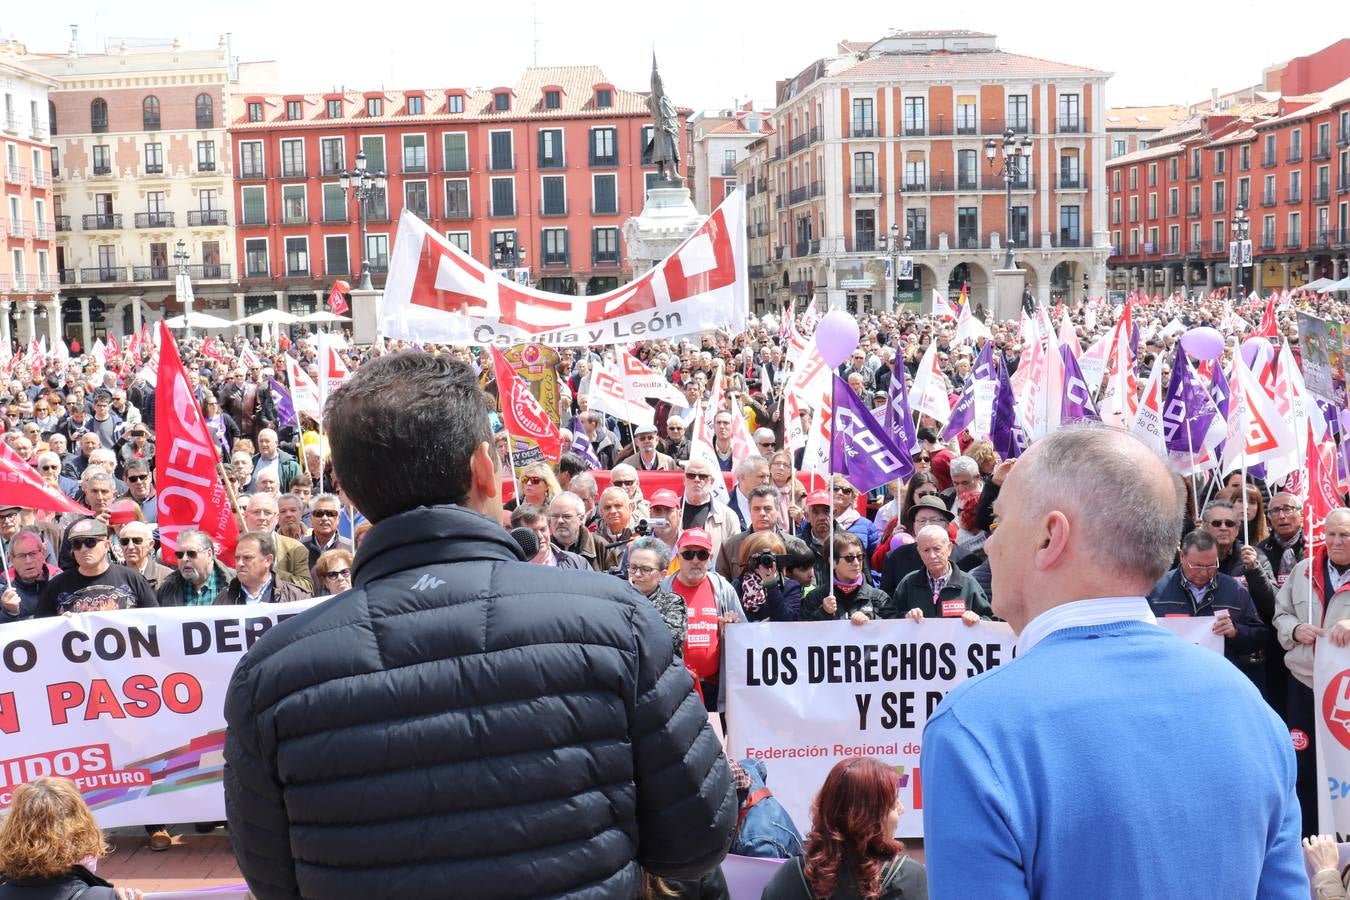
(323, 517)
(141, 488)
(1246, 564)
(711, 603)
(199, 576)
(703, 510)
(137, 540)
(94, 583)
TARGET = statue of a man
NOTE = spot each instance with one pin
(664, 149)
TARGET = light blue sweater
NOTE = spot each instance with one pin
(1111, 761)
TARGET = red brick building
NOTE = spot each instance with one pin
(541, 174)
(1285, 161)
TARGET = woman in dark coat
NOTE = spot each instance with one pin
(848, 595)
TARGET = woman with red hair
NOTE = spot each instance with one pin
(851, 850)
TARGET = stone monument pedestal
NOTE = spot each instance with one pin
(367, 307)
(668, 217)
(1008, 287)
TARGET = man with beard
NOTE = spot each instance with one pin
(199, 576)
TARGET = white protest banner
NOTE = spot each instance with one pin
(1331, 706)
(802, 696)
(437, 292)
(128, 705)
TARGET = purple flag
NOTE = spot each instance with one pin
(1004, 430)
(1188, 410)
(963, 413)
(899, 420)
(1076, 404)
(860, 449)
(286, 417)
(581, 446)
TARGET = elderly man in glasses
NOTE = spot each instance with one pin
(140, 478)
(566, 522)
(137, 540)
(701, 509)
(199, 576)
(710, 603)
(1250, 567)
(1198, 588)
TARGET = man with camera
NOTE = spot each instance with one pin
(763, 502)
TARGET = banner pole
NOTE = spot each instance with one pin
(1195, 486)
(829, 486)
(229, 492)
(1246, 529)
(4, 560)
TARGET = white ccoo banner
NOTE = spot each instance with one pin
(801, 697)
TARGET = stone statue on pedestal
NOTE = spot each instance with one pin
(664, 148)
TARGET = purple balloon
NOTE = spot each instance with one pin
(836, 336)
(1203, 343)
(1256, 352)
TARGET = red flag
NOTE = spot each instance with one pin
(336, 301)
(1322, 497)
(191, 494)
(21, 486)
(210, 349)
(521, 413)
(1269, 327)
(113, 348)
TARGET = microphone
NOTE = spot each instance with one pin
(527, 540)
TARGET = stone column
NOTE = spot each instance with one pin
(237, 303)
(137, 314)
(86, 327)
(54, 330)
(1167, 280)
(1043, 292)
(30, 310)
(5, 307)
(1284, 274)
(1209, 278)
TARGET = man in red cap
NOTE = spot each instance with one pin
(710, 602)
(665, 505)
(816, 531)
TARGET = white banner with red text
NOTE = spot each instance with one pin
(128, 705)
(802, 696)
(1331, 707)
(437, 292)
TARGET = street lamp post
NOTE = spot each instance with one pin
(1241, 225)
(1014, 153)
(363, 184)
(180, 256)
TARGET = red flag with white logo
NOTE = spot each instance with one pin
(21, 486)
(190, 492)
(521, 413)
(337, 300)
(1322, 497)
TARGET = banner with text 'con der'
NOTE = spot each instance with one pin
(801, 697)
(128, 705)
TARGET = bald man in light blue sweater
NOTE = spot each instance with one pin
(1109, 759)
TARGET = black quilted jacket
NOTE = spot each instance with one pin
(462, 723)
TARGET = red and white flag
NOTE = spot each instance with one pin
(436, 292)
(1322, 496)
(187, 478)
(35, 356)
(304, 392)
(608, 396)
(333, 370)
(211, 351)
(1120, 398)
(21, 486)
(337, 300)
(249, 359)
(969, 328)
(942, 308)
(1269, 327)
(113, 348)
(1148, 419)
(641, 380)
(1256, 431)
(522, 416)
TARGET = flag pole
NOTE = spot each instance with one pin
(4, 560)
(1195, 486)
(1246, 528)
(829, 486)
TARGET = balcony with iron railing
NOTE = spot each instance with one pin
(154, 220)
(103, 274)
(198, 218)
(251, 172)
(63, 223)
(913, 128)
(1295, 196)
(758, 271)
(862, 129)
(1341, 237)
(797, 195)
(1172, 248)
(39, 179)
(45, 282)
(1069, 125)
(862, 186)
(1269, 199)
(1319, 240)
(1268, 242)
(1075, 181)
(1295, 156)
(552, 210)
(1193, 211)
(67, 276)
(802, 288)
(209, 272)
(20, 228)
(1195, 248)
(1322, 192)
(1293, 242)
(17, 174)
(1323, 151)
(863, 243)
(1067, 239)
(1343, 139)
(43, 230)
(206, 165)
(780, 251)
(151, 273)
(918, 240)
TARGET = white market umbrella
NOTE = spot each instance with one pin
(268, 317)
(1318, 285)
(1342, 285)
(198, 320)
(322, 316)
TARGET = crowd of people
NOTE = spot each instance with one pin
(741, 535)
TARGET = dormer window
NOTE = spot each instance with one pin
(552, 99)
(334, 108)
(415, 105)
(293, 110)
(374, 106)
(454, 103)
(604, 98)
(255, 111)
(501, 101)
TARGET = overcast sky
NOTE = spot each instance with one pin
(712, 52)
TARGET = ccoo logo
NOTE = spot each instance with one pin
(1336, 707)
(530, 416)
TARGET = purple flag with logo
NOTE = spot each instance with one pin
(963, 413)
(1004, 430)
(286, 417)
(899, 421)
(1188, 409)
(581, 446)
(1076, 404)
(860, 449)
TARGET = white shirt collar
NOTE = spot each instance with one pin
(1097, 611)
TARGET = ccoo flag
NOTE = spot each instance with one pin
(860, 449)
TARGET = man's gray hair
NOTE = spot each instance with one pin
(764, 434)
(934, 531)
(199, 539)
(578, 505)
(262, 500)
(48, 456)
(94, 476)
(616, 491)
(1218, 503)
(765, 490)
(655, 545)
(583, 485)
(964, 465)
(1340, 512)
(327, 498)
(748, 465)
(1131, 518)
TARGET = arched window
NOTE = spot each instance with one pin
(98, 115)
(51, 117)
(206, 117)
(150, 114)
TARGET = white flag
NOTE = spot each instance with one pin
(928, 394)
(969, 328)
(607, 396)
(641, 380)
(941, 307)
(1148, 421)
(1256, 431)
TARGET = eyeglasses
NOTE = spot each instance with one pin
(50, 468)
(533, 480)
(10, 514)
(643, 570)
(336, 573)
(852, 558)
(1283, 510)
(696, 476)
(623, 484)
(923, 457)
(843, 489)
(1201, 566)
(324, 513)
(191, 554)
(85, 543)
(562, 517)
(138, 541)
(691, 555)
(1222, 523)
(137, 479)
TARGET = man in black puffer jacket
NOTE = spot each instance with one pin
(462, 723)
